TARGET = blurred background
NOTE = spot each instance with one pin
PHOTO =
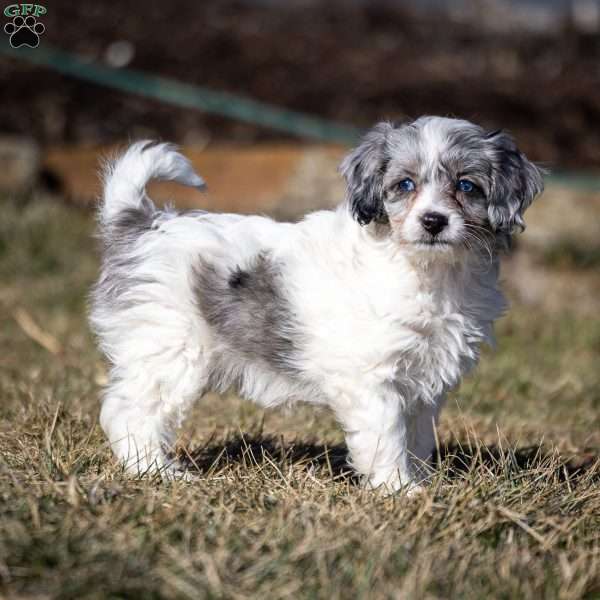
(531, 66)
(216, 76)
(266, 96)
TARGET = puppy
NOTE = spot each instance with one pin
(375, 309)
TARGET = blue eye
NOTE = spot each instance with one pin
(464, 185)
(407, 185)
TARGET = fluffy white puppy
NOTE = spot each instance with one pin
(375, 309)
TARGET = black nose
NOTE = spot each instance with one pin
(434, 222)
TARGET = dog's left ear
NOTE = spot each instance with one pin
(516, 182)
(363, 170)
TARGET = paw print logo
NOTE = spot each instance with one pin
(24, 31)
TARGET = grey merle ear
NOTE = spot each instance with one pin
(516, 182)
(363, 170)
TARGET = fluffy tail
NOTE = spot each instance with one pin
(126, 177)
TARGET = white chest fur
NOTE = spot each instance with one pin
(373, 319)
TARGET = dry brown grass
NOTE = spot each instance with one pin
(514, 511)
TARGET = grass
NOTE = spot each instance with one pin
(569, 253)
(514, 511)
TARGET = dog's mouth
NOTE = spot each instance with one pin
(433, 243)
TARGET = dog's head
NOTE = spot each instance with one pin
(441, 184)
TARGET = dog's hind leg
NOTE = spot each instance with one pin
(141, 414)
(136, 431)
(152, 385)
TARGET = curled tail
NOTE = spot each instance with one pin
(126, 177)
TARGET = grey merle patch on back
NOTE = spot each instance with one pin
(248, 309)
(118, 236)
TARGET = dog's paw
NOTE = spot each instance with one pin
(394, 486)
(415, 490)
(178, 471)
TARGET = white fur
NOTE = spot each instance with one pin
(126, 179)
(388, 331)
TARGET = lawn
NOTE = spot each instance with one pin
(514, 511)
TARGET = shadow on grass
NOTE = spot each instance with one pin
(456, 459)
(261, 450)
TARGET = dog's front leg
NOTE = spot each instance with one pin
(421, 445)
(377, 437)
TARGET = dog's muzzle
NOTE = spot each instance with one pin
(434, 222)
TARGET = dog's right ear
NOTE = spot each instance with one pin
(363, 170)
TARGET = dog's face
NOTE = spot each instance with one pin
(441, 184)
